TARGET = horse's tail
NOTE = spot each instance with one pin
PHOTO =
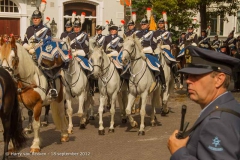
(18, 137)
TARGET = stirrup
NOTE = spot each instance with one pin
(53, 93)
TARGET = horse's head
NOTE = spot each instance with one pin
(9, 56)
(97, 60)
(129, 49)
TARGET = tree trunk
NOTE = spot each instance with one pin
(203, 16)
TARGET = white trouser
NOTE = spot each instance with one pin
(147, 50)
(113, 53)
(79, 52)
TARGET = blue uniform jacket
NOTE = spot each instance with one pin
(217, 137)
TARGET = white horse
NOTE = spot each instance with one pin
(140, 82)
(77, 85)
(32, 88)
(110, 86)
(169, 82)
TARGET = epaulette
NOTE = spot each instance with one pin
(215, 115)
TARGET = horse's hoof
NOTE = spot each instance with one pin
(65, 138)
(82, 126)
(153, 124)
(135, 125)
(101, 132)
(44, 124)
(163, 113)
(91, 118)
(34, 150)
(70, 131)
(124, 120)
(142, 133)
(108, 107)
(111, 131)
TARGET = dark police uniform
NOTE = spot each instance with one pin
(79, 41)
(113, 43)
(181, 41)
(130, 32)
(217, 132)
(35, 34)
(204, 41)
(66, 33)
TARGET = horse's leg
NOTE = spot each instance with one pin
(108, 106)
(122, 105)
(6, 134)
(143, 112)
(112, 111)
(131, 99)
(155, 101)
(29, 128)
(36, 127)
(165, 95)
(101, 130)
(70, 113)
(81, 113)
(45, 120)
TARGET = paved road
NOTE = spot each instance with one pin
(123, 144)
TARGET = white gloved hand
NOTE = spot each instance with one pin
(202, 45)
(27, 46)
(31, 51)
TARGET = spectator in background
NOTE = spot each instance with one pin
(236, 71)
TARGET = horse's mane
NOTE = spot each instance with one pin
(136, 40)
(26, 65)
(5, 50)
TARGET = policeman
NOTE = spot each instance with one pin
(34, 34)
(149, 45)
(99, 36)
(231, 42)
(181, 40)
(223, 49)
(68, 27)
(215, 134)
(203, 40)
(236, 71)
(131, 28)
(164, 38)
(113, 42)
(191, 37)
(216, 44)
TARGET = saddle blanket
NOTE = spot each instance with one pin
(181, 53)
(167, 53)
(116, 63)
(1, 96)
(153, 63)
(51, 48)
(85, 64)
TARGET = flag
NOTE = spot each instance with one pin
(127, 2)
(153, 25)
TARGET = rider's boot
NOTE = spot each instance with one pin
(91, 86)
(175, 73)
(161, 77)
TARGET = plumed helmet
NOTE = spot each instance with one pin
(131, 22)
(68, 24)
(144, 20)
(112, 26)
(77, 23)
(99, 27)
(37, 14)
(190, 27)
(161, 20)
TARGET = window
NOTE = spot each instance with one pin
(238, 21)
(8, 6)
(213, 19)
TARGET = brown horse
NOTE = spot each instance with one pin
(32, 86)
(10, 114)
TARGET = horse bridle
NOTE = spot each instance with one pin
(130, 54)
(101, 66)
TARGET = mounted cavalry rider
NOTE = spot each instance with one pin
(191, 37)
(216, 44)
(34, 34)
(100, 38)
(203, 40)
(68, 27)
(149, 45)
(230, 41)
(164, 40)
(113, 42)
(131, 28)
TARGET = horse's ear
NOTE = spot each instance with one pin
(124, 36)
(133, 35)
(13, 41)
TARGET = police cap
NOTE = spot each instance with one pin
(161, 20)
(201, 61)
(36, 14)
(68, 24)
(77, 23)
(130, 23)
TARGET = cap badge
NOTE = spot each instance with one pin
(188, 56)
(36, 12)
